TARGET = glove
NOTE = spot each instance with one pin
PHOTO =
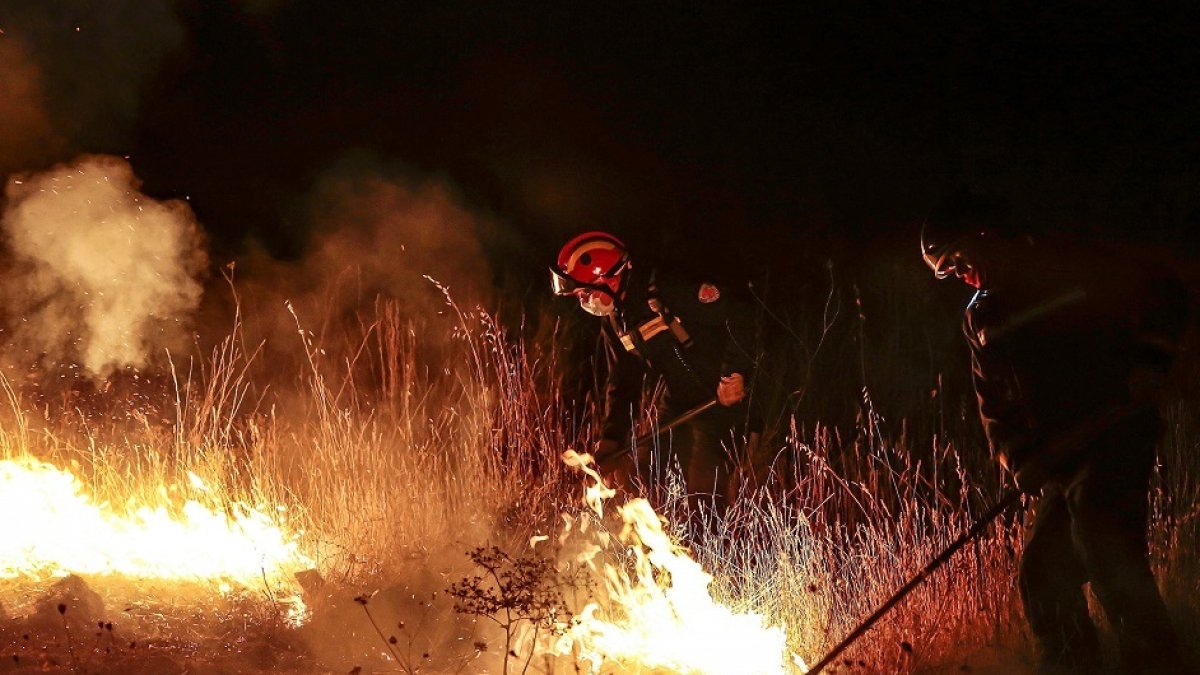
(731, 389)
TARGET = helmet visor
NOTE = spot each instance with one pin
(563, 284)
(943, 258)
(937, 262)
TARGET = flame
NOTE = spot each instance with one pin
(662, 616)
(55, 529)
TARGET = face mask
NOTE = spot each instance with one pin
(597, 304)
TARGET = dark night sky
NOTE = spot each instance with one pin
(757, 127)
(735, 140)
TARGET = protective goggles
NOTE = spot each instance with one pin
(563, 284)
(942, 259)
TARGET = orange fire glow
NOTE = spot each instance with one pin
(658, 614)
(56, 529)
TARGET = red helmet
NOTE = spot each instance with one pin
(591, 261)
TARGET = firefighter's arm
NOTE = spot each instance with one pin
(622, 399)
(741, 346)
(1011, 442)
(622, 392)
(738, 359)
(1001, 408)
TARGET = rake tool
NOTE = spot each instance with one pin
(1057, 453)
(662, 429)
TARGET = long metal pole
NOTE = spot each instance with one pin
(1055, 454)
(662, 429)
(1008, 499)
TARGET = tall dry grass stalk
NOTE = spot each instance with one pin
(403, 444)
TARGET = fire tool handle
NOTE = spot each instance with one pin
(1008, 499)
(1056, 454)
(664, 428)
(660, 430)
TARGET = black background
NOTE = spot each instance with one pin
(795, 145)
(718, 132)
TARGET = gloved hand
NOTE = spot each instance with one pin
(731, 389)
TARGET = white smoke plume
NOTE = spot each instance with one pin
(102, 275)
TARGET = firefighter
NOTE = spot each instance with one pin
(697, 338)
(1061, 337)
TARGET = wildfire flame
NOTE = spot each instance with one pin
(662, 616)
(55, 529)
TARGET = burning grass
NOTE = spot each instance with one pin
(382, 462)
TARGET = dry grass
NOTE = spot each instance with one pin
(400, 445)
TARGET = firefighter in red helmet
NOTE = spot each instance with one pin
(696, 337)
(591, 267)
(1063, 337)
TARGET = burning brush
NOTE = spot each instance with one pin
(656, 612)
(61, 531)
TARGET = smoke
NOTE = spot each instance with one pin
(394, 230)
(378, 230)
(102, 275)
(26, 133)
(72, 73)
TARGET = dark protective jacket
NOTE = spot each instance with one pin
(689, 334)
(1064, 341)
